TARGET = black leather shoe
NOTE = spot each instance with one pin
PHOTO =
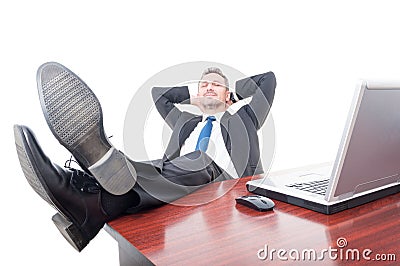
(83, 206)
(75, 118)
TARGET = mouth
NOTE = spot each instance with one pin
(210, 94)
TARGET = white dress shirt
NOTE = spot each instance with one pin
(216, 147)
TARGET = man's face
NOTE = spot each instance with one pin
(213, 85)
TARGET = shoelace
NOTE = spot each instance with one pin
(80, 179)
(84, 182)
(68, 162)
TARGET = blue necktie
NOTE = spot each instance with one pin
(204, 137)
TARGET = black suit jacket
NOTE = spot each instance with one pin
(239, 130)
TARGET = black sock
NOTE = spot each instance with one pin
(116, 205)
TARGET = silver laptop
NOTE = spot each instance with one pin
(367, 165)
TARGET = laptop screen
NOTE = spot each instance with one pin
(369, 155)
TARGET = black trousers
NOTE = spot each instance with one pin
(176, 178)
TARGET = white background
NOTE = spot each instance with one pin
(317, 49)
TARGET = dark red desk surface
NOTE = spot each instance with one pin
(223, 233)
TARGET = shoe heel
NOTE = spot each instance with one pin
(114, 172)
(70, 232)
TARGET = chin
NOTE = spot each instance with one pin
(212, 101)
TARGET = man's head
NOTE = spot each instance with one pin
(214, 84)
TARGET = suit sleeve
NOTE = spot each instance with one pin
(165, 99)
(262, 89)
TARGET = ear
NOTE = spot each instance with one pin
(227, 96)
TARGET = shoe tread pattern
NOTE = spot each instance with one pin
(71, 108)
(74, 116)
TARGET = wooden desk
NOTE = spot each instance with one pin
(223, 233)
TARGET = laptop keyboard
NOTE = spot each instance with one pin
(318, 187)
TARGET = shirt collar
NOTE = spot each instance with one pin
(217, 116)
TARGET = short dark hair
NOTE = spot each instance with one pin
(218, 71)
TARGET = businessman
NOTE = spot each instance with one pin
(221, 144)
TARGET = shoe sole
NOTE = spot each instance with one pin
(75, 118)
(67, 228)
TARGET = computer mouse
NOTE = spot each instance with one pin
(256, 202)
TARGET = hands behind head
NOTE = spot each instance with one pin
(229, 102)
